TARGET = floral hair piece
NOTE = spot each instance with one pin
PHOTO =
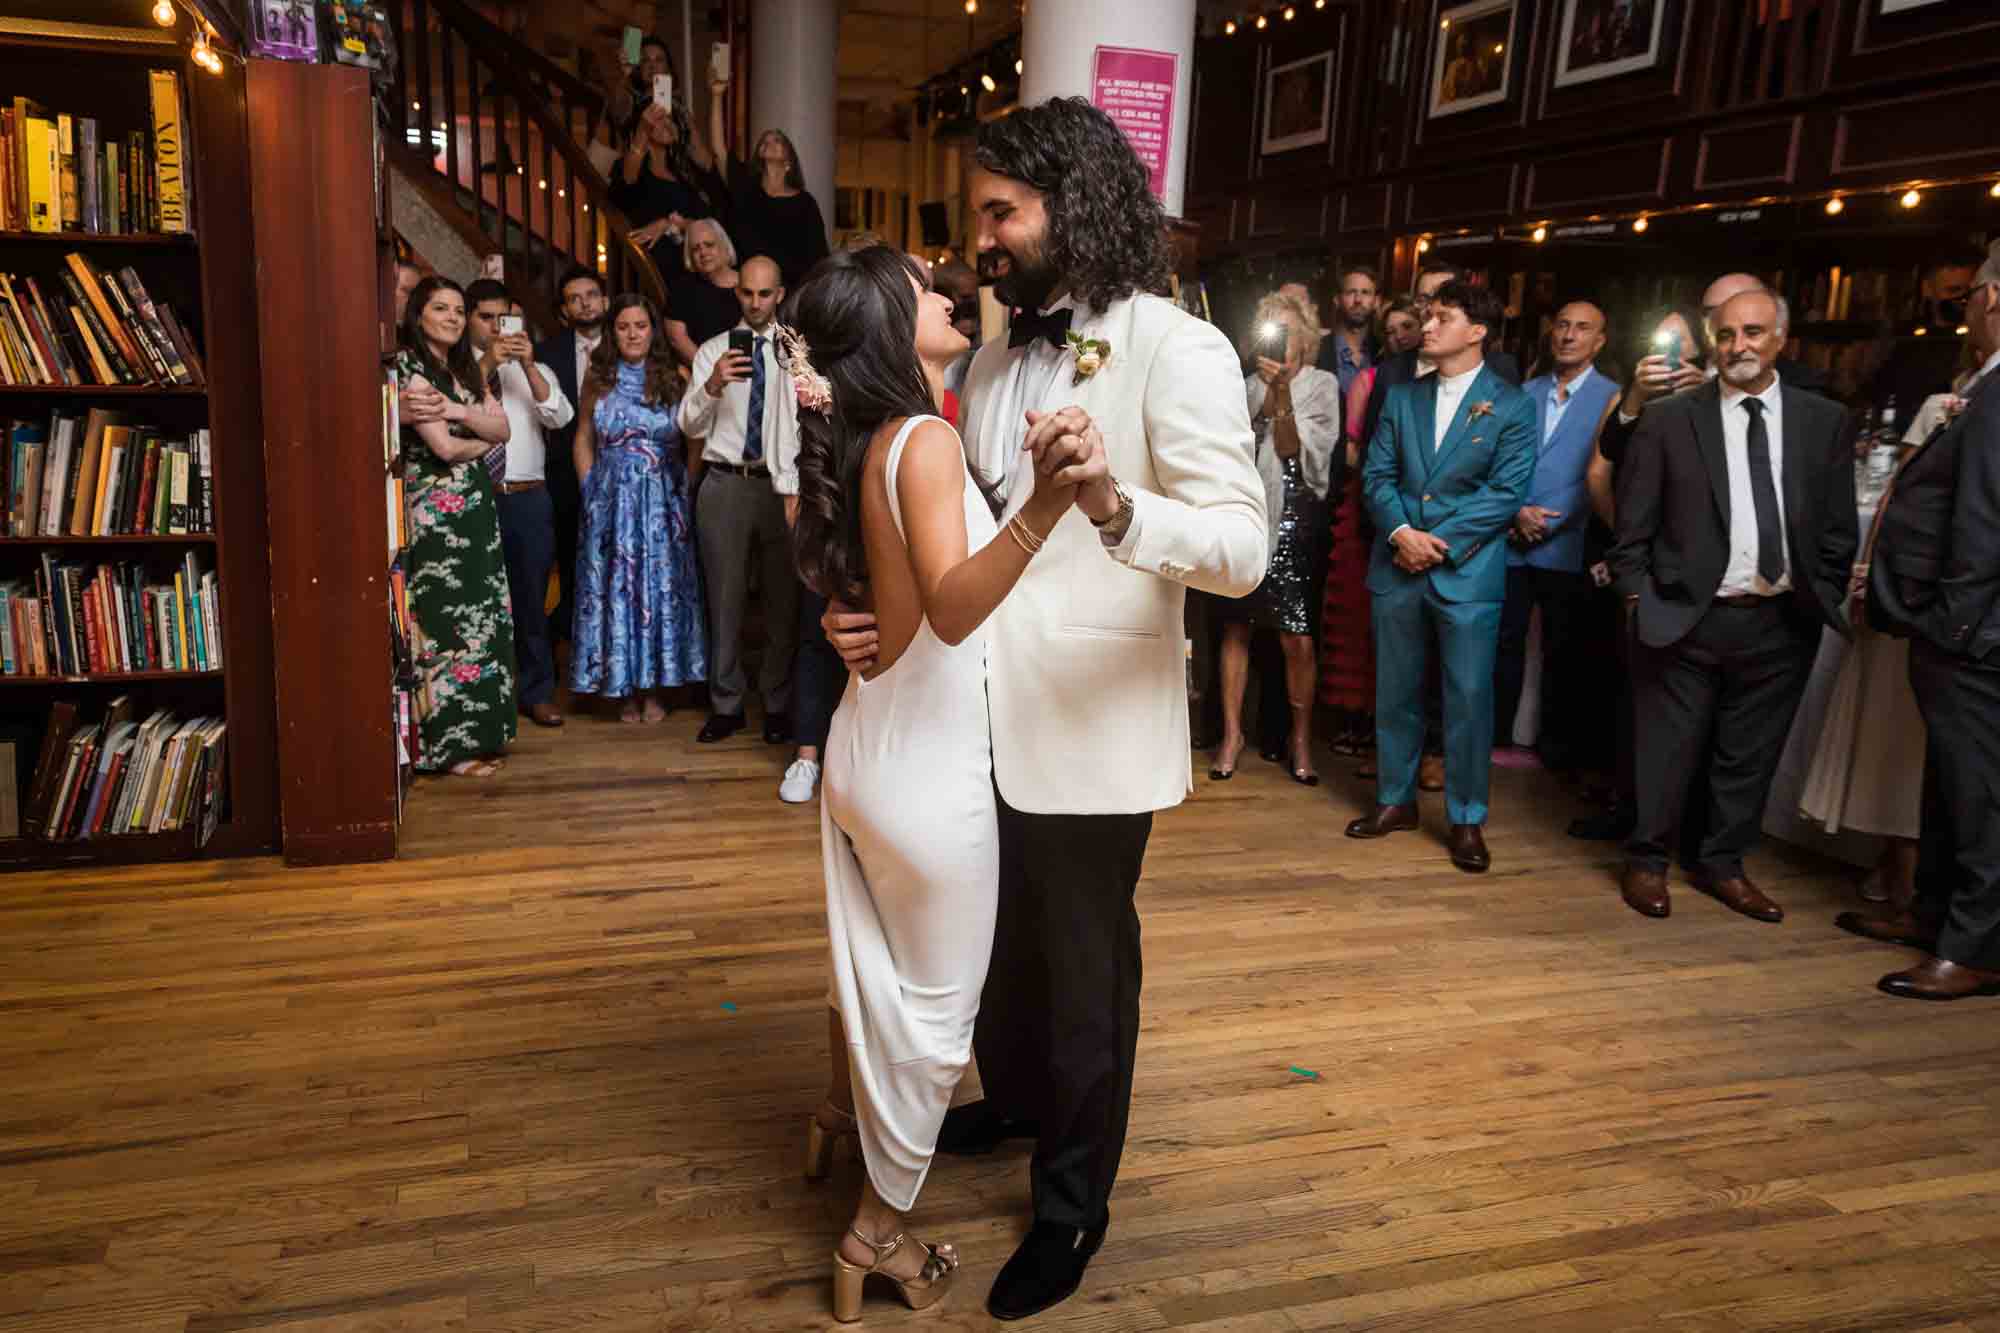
(811, 387)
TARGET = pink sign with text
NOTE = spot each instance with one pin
(1136, 89)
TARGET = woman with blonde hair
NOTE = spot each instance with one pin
(1295, 412)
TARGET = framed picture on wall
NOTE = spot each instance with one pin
(1600, 39)
(1472, 60)
(1298, 103)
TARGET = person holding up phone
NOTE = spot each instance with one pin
(740, 403)
(772, 212)
(667, 177)
(534, 402)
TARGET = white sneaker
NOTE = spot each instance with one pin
(800, 781)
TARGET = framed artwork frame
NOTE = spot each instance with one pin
(1472, 60)
(1602, 39)
(1298, 103)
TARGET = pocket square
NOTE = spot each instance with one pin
(1478, 439)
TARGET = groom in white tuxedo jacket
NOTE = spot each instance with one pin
(1086, 665)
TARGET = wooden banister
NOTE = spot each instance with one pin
(497, 123)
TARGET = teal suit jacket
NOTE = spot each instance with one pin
(1465, 492)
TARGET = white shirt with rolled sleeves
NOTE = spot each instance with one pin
(527, 418)
(720, 421)
(1087, 675)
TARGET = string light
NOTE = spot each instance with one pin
(1229, 28)
(204, 55)
(986, 82)
(1835, 206)
(1995, 191)
(972, 6)
(1263, 22)
(1017, 67)
(1541, 234)
(1290, 13)
(1423, 244)
(1911, 198)
(163, 13)
(1639, 223)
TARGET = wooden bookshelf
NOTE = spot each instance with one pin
(209, 277)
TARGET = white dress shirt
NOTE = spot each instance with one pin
(721, 421)
(585, 345)
(1025, 386)
(1451, 395)
(527, 455)
(1740, 576)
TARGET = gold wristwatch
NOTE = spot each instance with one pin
(1112, 530)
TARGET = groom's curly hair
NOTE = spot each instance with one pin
(1107, 233)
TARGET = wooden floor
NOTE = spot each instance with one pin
(550, 1072)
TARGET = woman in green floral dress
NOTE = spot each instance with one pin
(464, 641)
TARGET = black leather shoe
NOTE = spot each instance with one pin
(1046, 1270)
(977, 1128)
(777, 729)
(719, 727)
(1614, 825)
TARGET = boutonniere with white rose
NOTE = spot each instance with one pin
(1090, 354)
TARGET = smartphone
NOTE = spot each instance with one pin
(494, 266)
(1271, 340)
(1669, 346)
(510, 326)
(633, 48)
(718, 62)
(663, 90)
(739, 341)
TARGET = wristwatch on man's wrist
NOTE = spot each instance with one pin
(1113, 529)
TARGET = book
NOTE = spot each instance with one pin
(10, 793)
(55, 747)
(169, 167)
(71, 210)
(44, 176)
(87, 175)
(24, 110)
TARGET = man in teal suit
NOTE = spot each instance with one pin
(1447, 471)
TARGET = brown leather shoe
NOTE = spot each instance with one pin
(1468, 849)
(1738, 894)
(545, 715)
(1890, 928)
(1387, 819)
(1937, 979)
(1645, 891)
(1430, 773)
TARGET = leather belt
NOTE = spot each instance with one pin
(516, 487)
(1749, 599)
(756, 470)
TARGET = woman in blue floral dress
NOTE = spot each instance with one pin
(639, 618)
(464, 639)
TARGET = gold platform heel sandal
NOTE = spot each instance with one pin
(919, 1292)
(820, 1139)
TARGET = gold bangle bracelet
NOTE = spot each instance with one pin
(1023, 535)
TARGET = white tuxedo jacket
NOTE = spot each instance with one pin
(1086, 661)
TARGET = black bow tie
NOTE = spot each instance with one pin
(1028, 326)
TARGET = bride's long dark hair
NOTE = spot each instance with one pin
(858, 316)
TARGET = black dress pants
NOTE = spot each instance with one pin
(1733, 683)
(1958, 876)
(1059, 1019)
(1564, 598)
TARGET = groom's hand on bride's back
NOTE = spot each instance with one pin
(852, 634)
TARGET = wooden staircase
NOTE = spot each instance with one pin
(489, 137)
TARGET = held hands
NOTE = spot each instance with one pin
(1069, 453)
(733, 368)
(1417, 551)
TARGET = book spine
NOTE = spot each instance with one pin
(69, 369)
(44, 199)
(100, 364)
(177, 516)
(169, 164)
(148, 319)
(121, 370)
(72, 210)
(184, 343)
(207, 484)
(88, 177)
(93, 289)
(148, 479)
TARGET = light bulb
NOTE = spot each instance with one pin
(972, 6)
(1640, 224)
(1423, 244)
(1541, 234)
(1229, 28)
(1995, 191)
(1911, 198)
(986, 82)
(1262, 22)
(1498, 47)
(1921, 332)
(541, 185)
(1835, 206)
(1962, 330)
(163, 13)
(1017, 68)
(1290, 13)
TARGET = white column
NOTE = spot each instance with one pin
(1059, 42)
(793, 45)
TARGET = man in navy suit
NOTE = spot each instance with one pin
(1446, 475)
(1545, 545)
(568, 355)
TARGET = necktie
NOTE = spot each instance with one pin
(496, 458)
(1764, 495)
(753, 430)
(1028, 326)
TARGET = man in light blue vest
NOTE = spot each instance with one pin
(1545, 565)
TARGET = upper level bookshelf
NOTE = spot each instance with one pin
(80, 346)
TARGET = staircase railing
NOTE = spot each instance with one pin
(505, 127)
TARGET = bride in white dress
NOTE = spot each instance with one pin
(890, 518)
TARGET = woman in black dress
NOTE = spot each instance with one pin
(701, 300)
(772, 212)
(666, 180)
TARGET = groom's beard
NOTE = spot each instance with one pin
(1027, 284)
